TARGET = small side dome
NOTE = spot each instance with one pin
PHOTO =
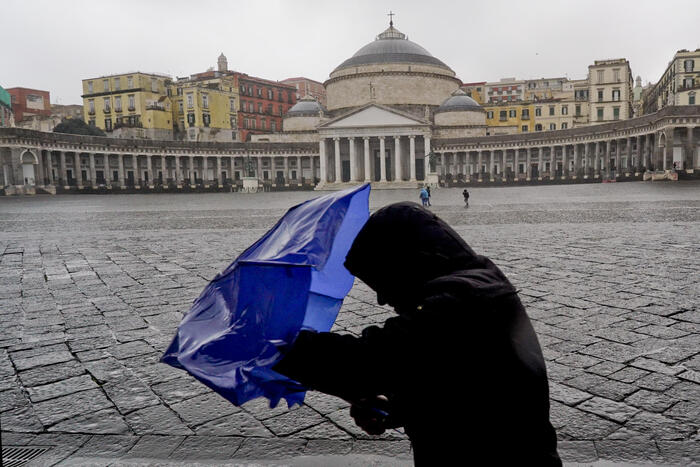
(305, 106)
(459, 101)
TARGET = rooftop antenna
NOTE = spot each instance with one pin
(391, 19)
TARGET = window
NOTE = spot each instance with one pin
(489, 114)
(180, 106)
(269, 93)
(252, 123)
(132, 105)
(190, 100)
(260, 108)
(538, 111)
(600, 95)
(205, 101)
(600, 114)
(262, 123)
(273, 125)
(616, 94)
(578, 110)
(91, 106)
(117, 84)
(108, 124)
(691, 98)
(552, 126)
(105, 85)
(525, 114)
(232, 118)
(206, 119)
(616, 75)
(601, 76)
(503, 115)
(91, 122)
(565, 110)
(688, 65)
(538, 127)
(524, 129)
(250, 90)
(130, 82)
(564, 126)
(551, 110)
(616, 113)
(232, 104)
(154, 85)
(688, 83)
(118, 103)
(190, 119)
(90, 86)
(108, 105)
(512, 113)
(259, 92)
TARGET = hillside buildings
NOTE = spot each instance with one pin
(679, 84)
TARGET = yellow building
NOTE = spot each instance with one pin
(509, 118)
(205, 107)
(129, 105)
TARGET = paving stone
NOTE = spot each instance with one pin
(71, 405)
(567, 395)
(51, 373)
(130, 394)
(659, 426)
(61, 388)
(296, 420)
(98, 423)
(393, 449)
(203, 408)
(650, 400)
(106, 448)
(577, 451)
(157, 419)
(207, 448)
(236, 424)
(628, 451)
(179, 389)
(150, 447)
(616, 411)
(327, 447)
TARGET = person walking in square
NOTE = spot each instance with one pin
(465, 195)
(459, 367)
(427, 188)
(424, 197)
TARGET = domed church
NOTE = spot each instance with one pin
(390, 98)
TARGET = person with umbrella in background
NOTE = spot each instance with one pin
(459, 367)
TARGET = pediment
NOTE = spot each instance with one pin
(373, 116)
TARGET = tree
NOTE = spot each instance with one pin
(76, 126)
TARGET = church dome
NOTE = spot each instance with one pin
(391, 46)
(459, 101)
(307, 105)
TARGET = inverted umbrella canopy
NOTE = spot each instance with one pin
(291, 279)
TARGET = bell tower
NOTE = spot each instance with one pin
(222, 63)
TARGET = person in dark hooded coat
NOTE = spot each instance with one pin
(459, 367)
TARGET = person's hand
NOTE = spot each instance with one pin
(368, 415)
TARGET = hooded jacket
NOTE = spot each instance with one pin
(460, 364)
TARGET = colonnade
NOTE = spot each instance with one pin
(605, 158)
(401, 161)
(73, 168)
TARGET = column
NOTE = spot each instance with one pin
(589, 161)
(412, 155)
(217, 175)
(338, 172)
(515, 164)
(149, 170)
(107, 171)
(552, 162)
(540, 163)
(564, 162)
(628, 152)
(193, 181)
(49, 163)
(62, 167)
(205, 171)
(164, 169)
(689, 149)
(608, 155)
(178, 174)
(492, 166)
(120, 160)
(397, 158)
(78, 171)
(668, 150)
(368, 169)
(285, 160)
(504, 164)
(382, 159)
(258, 168)
(426, 151)
(596, 151)
(353, 162)
(640, 160)
(322, 160)
(93, 172)
(300, 171)
(478, 165)
(618, 158)
(528, 164)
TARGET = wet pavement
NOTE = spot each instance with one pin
(92, 288)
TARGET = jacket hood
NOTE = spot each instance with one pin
(406, 251)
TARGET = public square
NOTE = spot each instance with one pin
(92, 288)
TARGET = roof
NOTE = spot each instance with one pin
(459, 101)
(307, 105)
(391, 46)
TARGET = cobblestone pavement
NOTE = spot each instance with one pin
(92, 289)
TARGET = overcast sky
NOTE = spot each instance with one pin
(54, 44)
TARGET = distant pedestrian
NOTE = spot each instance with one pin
(424, 197)
(427, 188)
(465, 194)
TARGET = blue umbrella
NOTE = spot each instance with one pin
(291, 279)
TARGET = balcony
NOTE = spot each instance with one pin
(107, 110)
(91, 112)
(131, 108)
(117, 109)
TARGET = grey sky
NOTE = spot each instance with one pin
(54, 44)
